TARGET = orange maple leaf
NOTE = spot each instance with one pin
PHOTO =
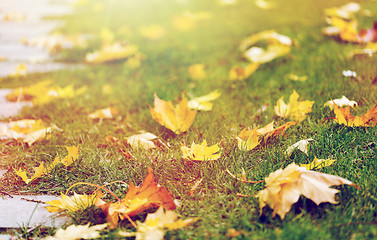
(344, 116)
(137, 199)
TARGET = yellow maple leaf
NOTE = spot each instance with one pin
(156, 224)
(204, 103)
(74, 232)
(73, 154)
(71, 203)
(295, 110)
(344, 116)
(137, 200)
(38, 172)
(153, 32)
(177, 119)
(196, 72)
(284, 187)
(248, 139)
(318, 163)
(201, 152)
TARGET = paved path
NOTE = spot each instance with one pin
(27, 21)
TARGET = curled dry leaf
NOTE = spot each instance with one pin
(201, 152)
(301, 145)
(105, 113)
(74, 232)
(344, 116)
(243, 72)
(142, 141)
(204, 103)
(277, 45)
(295, 110)
(137, 200)
(284, 187)
(178, 119)
(340, 102)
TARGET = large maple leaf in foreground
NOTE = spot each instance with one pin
(284, 187)
(137, 200)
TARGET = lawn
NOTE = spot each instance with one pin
(205, 32)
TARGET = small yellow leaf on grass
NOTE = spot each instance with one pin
(73, 154)
(196, 72)
(156, 224)
(248, 139)
(38, 172)
(318, 163)
(295, 77)
(71, 203)
(203, 103)
(284, 187)
(295, 110)
(260, 55)
(178, 119)
(240, 73)
(201, 152)
(153, 32)
(75, 232)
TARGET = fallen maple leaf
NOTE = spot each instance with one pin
(344, 116)
(74, 232)
(177, 119)
(73, 154)
(248, 139)
(284, 187)
(29, 130)
(318, 163)
(295, 110)
(137, 200)
(71, 203)
(156, 224)
(204, 103)
(201, 152)
(38, 172)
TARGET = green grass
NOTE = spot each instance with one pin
(213, 42)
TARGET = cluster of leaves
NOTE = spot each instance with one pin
(165, 149)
